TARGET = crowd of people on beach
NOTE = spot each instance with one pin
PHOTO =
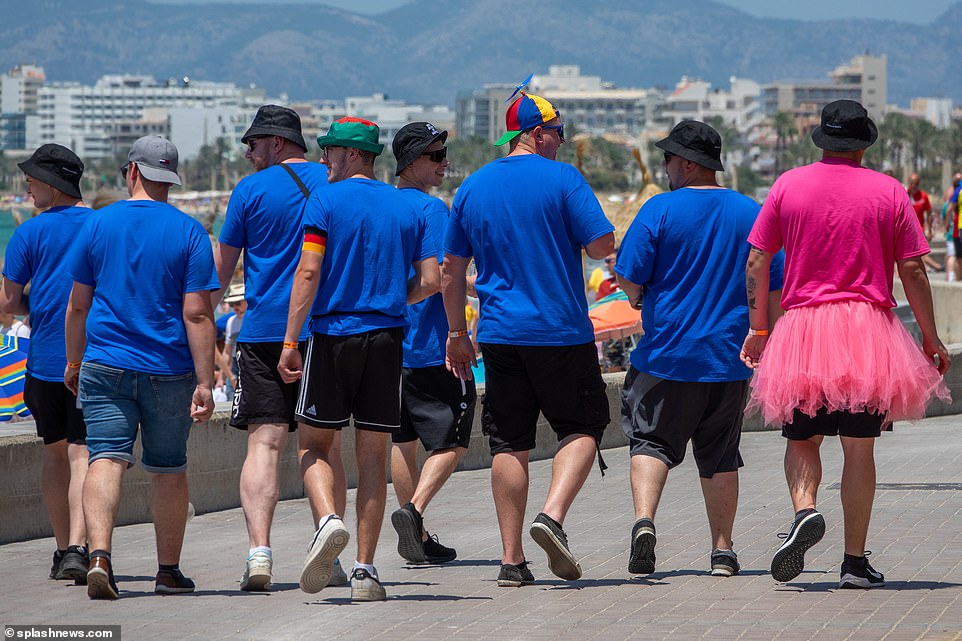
(352, 313)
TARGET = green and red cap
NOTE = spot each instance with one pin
(352, 132)
(527, 112)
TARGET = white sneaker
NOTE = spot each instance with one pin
(257, 576)
(329, 541)
(338, 575)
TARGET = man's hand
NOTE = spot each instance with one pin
(71, 378)
(201, 404)
(459, 357)
(752, 350)
(290, 365)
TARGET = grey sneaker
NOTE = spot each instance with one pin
(553, 541)
(789, 560)
(74, 564)
(514, 576)
(724, 563)
(365, 587)
(329, 541)
(338, 576)
(641, 558)
(257, 575)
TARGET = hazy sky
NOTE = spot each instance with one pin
(918, 11)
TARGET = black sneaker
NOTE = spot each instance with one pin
(409, 526)
(641, 559)
(74, 564)
(514, 576)
(172, 582)
(549, 535)
(858, 573)
(434, 552)
(57, 558)
(100, 578)
(789, 560)
(724, 563)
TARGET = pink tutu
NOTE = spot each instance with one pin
(849, 355)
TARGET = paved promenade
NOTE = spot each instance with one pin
(916, 539)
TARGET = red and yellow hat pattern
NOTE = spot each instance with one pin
(527, 112)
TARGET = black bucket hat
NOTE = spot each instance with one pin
(56, 166)
(411, 140)
(274, 120)
(695, 141)
(845, 127)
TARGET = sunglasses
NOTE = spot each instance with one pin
(559, 128)
(438, 155)
(123, 170)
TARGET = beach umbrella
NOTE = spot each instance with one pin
(13, 369)
(613, 317)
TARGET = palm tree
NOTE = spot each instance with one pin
(786, 129)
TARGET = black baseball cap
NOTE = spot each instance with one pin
(845, 127)
(695, 141)
(56, 166)
(274, 120)
(411, 140)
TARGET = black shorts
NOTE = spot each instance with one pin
(436, 407)
(261, 396)
(957, 245)
(564, 383)
(357, 375)
(54, 409)
(659, 417)
(825, 423)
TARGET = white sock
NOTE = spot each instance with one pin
(370, 568)
(260, 548)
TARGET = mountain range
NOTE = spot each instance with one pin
(429, 50)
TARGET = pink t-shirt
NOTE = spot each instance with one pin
(843, 226)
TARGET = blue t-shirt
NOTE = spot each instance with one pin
(141, 257)
(37, 254)
(524, 219)
(425, 339)
(374, 234)
(264, 218)
(688, 249)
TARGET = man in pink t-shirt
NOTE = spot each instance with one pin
(839, 363)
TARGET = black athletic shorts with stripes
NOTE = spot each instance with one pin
(436, 407)
(355, 376)
(261, 396)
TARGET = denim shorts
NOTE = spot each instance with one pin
(116, 401)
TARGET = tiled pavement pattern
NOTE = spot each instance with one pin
(916, 538)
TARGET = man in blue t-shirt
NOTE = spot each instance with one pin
(264, 221)
(436, 407)
(682, 263)
(536, 339)
(36, 254)
(140, 354)
(361, 240)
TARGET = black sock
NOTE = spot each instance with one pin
(803, 513)
(169, 568)
(854, 559)
(103, 553)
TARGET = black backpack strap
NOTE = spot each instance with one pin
(300, 183)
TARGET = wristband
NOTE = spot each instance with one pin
(757, 332)
(73, 364)
(290, 345)
(458, 333)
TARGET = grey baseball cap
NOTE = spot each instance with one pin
(156, 159)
